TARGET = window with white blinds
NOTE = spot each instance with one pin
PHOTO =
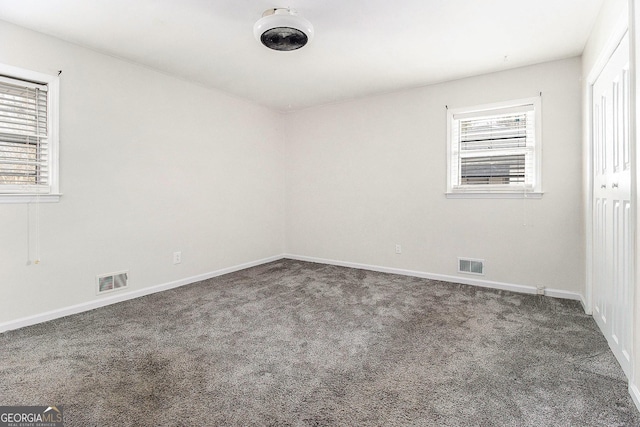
(494, 149)
(28, 150)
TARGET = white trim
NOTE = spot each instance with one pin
(585, 306)
(496, 191)
(635, 395)
(562, 294)
(620, 29)
(24, 74)
(54, 134)
(589, 225)
(496, 195)
(510, 104)
(52, 193)
(112, 299)
(633, 158)
(524, 289)
(29, 198)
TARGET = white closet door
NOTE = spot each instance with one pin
(612, 255)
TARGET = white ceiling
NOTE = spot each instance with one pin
(361, 47)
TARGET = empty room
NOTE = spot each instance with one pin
(248, 213)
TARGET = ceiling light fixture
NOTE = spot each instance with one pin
(283, 29)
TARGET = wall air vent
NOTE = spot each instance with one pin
(471, 266)
(112, 282)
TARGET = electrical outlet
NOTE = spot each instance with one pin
(177, 257)
(540, 290)
(398, 249)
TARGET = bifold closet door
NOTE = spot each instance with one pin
(612, 250)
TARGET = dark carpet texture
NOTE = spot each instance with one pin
(294, 343)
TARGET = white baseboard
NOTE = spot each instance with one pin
(585, 307)
(112, 299)
(635, 394)
(555, 293)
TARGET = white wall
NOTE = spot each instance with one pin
(612, 12)
(365, 175)
(149, 165)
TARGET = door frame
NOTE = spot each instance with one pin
(628, 22)
(621, 28)
(634, 45)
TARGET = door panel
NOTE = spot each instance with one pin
(612, 251)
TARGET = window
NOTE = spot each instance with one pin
(28, 136)
(494, 150)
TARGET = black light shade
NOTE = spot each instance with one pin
(284, 38)
(283, 30)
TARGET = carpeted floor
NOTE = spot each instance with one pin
(300, 344)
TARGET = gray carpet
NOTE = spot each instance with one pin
(300, 344)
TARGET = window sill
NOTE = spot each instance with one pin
(29, 198)
(494, 195)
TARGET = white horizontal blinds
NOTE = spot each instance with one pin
(495, 147)
(24, 157)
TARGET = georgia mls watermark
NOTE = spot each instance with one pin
(31, 416)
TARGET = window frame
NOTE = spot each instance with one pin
(52, 82)
(527, 190)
